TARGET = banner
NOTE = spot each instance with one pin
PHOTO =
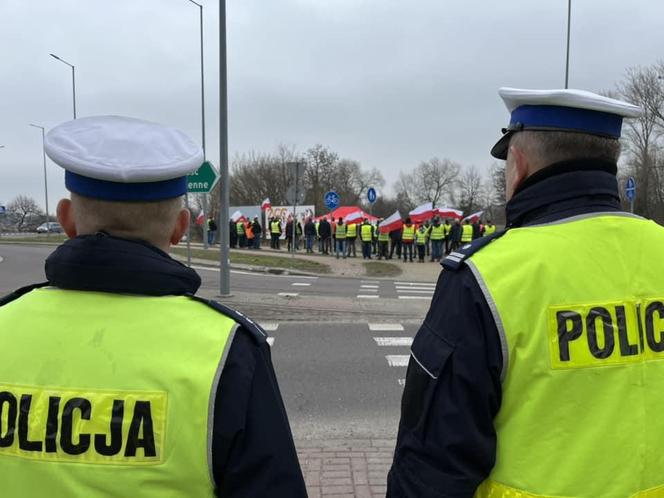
(283, 212)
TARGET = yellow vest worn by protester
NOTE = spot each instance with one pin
(437, 232)
(421, 237)
(466, 233)
(447, 229)
(239, 228)
(108, 395)
(489, 229)
(579, 305)
(341, 232)
(408, 233)
(366, 232)
(351, 231)
(383, 236)
(275, 227)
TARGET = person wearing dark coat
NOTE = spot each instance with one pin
(233, 234)
(258, 230)
(325, 233)
(310, 235)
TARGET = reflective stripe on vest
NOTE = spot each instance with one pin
(275, 227)
(421, 237)
(110, 398)
(351, 230)
(341, 232)
(239, 228)
(366, 232)
(580, 308)
(467, 233)
(437, 232)
(408, 232)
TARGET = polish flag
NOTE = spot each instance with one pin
(354, 216)
(394, 222)
(200, 218)
(421, 213)
(265, 205)
(449, 213)
(474, 217)
(238, 216)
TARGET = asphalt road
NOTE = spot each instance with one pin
(339, 378)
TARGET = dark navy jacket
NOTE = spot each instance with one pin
(253, 453)
(447, 442)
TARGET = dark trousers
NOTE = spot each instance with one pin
(327, 245)
(421, 249)
(382, 249)
(241, 240)
(274, 240)
(396, 244)
(407, 250)
(366, 250)
(436, 250)
(350, 246)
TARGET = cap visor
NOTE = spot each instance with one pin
(499, 151)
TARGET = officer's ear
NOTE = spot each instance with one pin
(65, 215)
(516, 170)
(181, 226)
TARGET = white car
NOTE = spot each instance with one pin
(51, 226)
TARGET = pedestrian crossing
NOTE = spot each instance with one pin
(397, 347)
(415, 290)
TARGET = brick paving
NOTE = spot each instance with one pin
(346, 468)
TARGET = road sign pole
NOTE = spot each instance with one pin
(297, 171)
(224, 270)
(186, 203)
(631, 206)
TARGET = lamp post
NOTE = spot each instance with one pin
(205, 207)
(224, 271)
(45, 178)
(569, 23)
(73, 79)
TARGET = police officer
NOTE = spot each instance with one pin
(116, 380)
(538, 369)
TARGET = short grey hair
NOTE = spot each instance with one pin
(548, 147)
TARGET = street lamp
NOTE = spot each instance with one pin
(205, 208)
(73, 79)
(569, 22)
(224, 273)
(45, 179)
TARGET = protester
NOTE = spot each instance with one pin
(232, 234)
(448, 232)
(249, 234)
(383, 242)
(325, 233)
(437, 235)
(421, 239)
(395, 243)
(408, 240)
(275, 233)
(241, 234)
(258, 232)
(340, 238)
(310, 235)
(351, 237)
(212, 230)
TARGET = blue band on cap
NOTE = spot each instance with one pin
(115, 191)
(567, 118)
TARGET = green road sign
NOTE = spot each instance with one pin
(203, 180)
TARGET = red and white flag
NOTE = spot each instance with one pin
(421, 213)
(474, 217)
(238, 216)
(354, 216)
(446, 212)
(265, 205)
(394, 222)
(200, 218)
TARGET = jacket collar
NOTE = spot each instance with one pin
(571, 186)
(104, 263)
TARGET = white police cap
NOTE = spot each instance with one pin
(562, 110)
(123, 159)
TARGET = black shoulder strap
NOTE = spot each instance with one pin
(247, 324)
(21, 292)
(455, 259)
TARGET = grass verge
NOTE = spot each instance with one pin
(55, 238)
(378, 269)
(259, 260)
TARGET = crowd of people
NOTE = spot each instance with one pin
(432, 239)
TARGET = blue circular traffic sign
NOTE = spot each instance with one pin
(331, 200)
(371, 195)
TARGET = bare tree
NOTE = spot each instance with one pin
(23, 209)
(433, 180)
(469, 196)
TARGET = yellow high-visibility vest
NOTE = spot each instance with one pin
(107, 394)
(421, 237)
(466, 233)
(275, 227)
(366, 232)
(437, 232)
(408, 233)
(447, 229)
(489, 229)
(579, 305)
(351, 230)
(341, 231)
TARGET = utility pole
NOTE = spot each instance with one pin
(224, 263)
(569, 23)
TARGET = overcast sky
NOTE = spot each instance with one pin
(388, 83)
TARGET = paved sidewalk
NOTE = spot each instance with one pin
(346, 468)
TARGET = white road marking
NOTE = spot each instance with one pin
(394, 341)
(397, 360)
(368, 287)
(385, 327)
(417, 284)
(369, 282)
(428, 298)
(270, 341)
(288, 294)
(414, 291)
(300, 284)
(367, 296)
(254, 274)
(402, 382)
(269, 326)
